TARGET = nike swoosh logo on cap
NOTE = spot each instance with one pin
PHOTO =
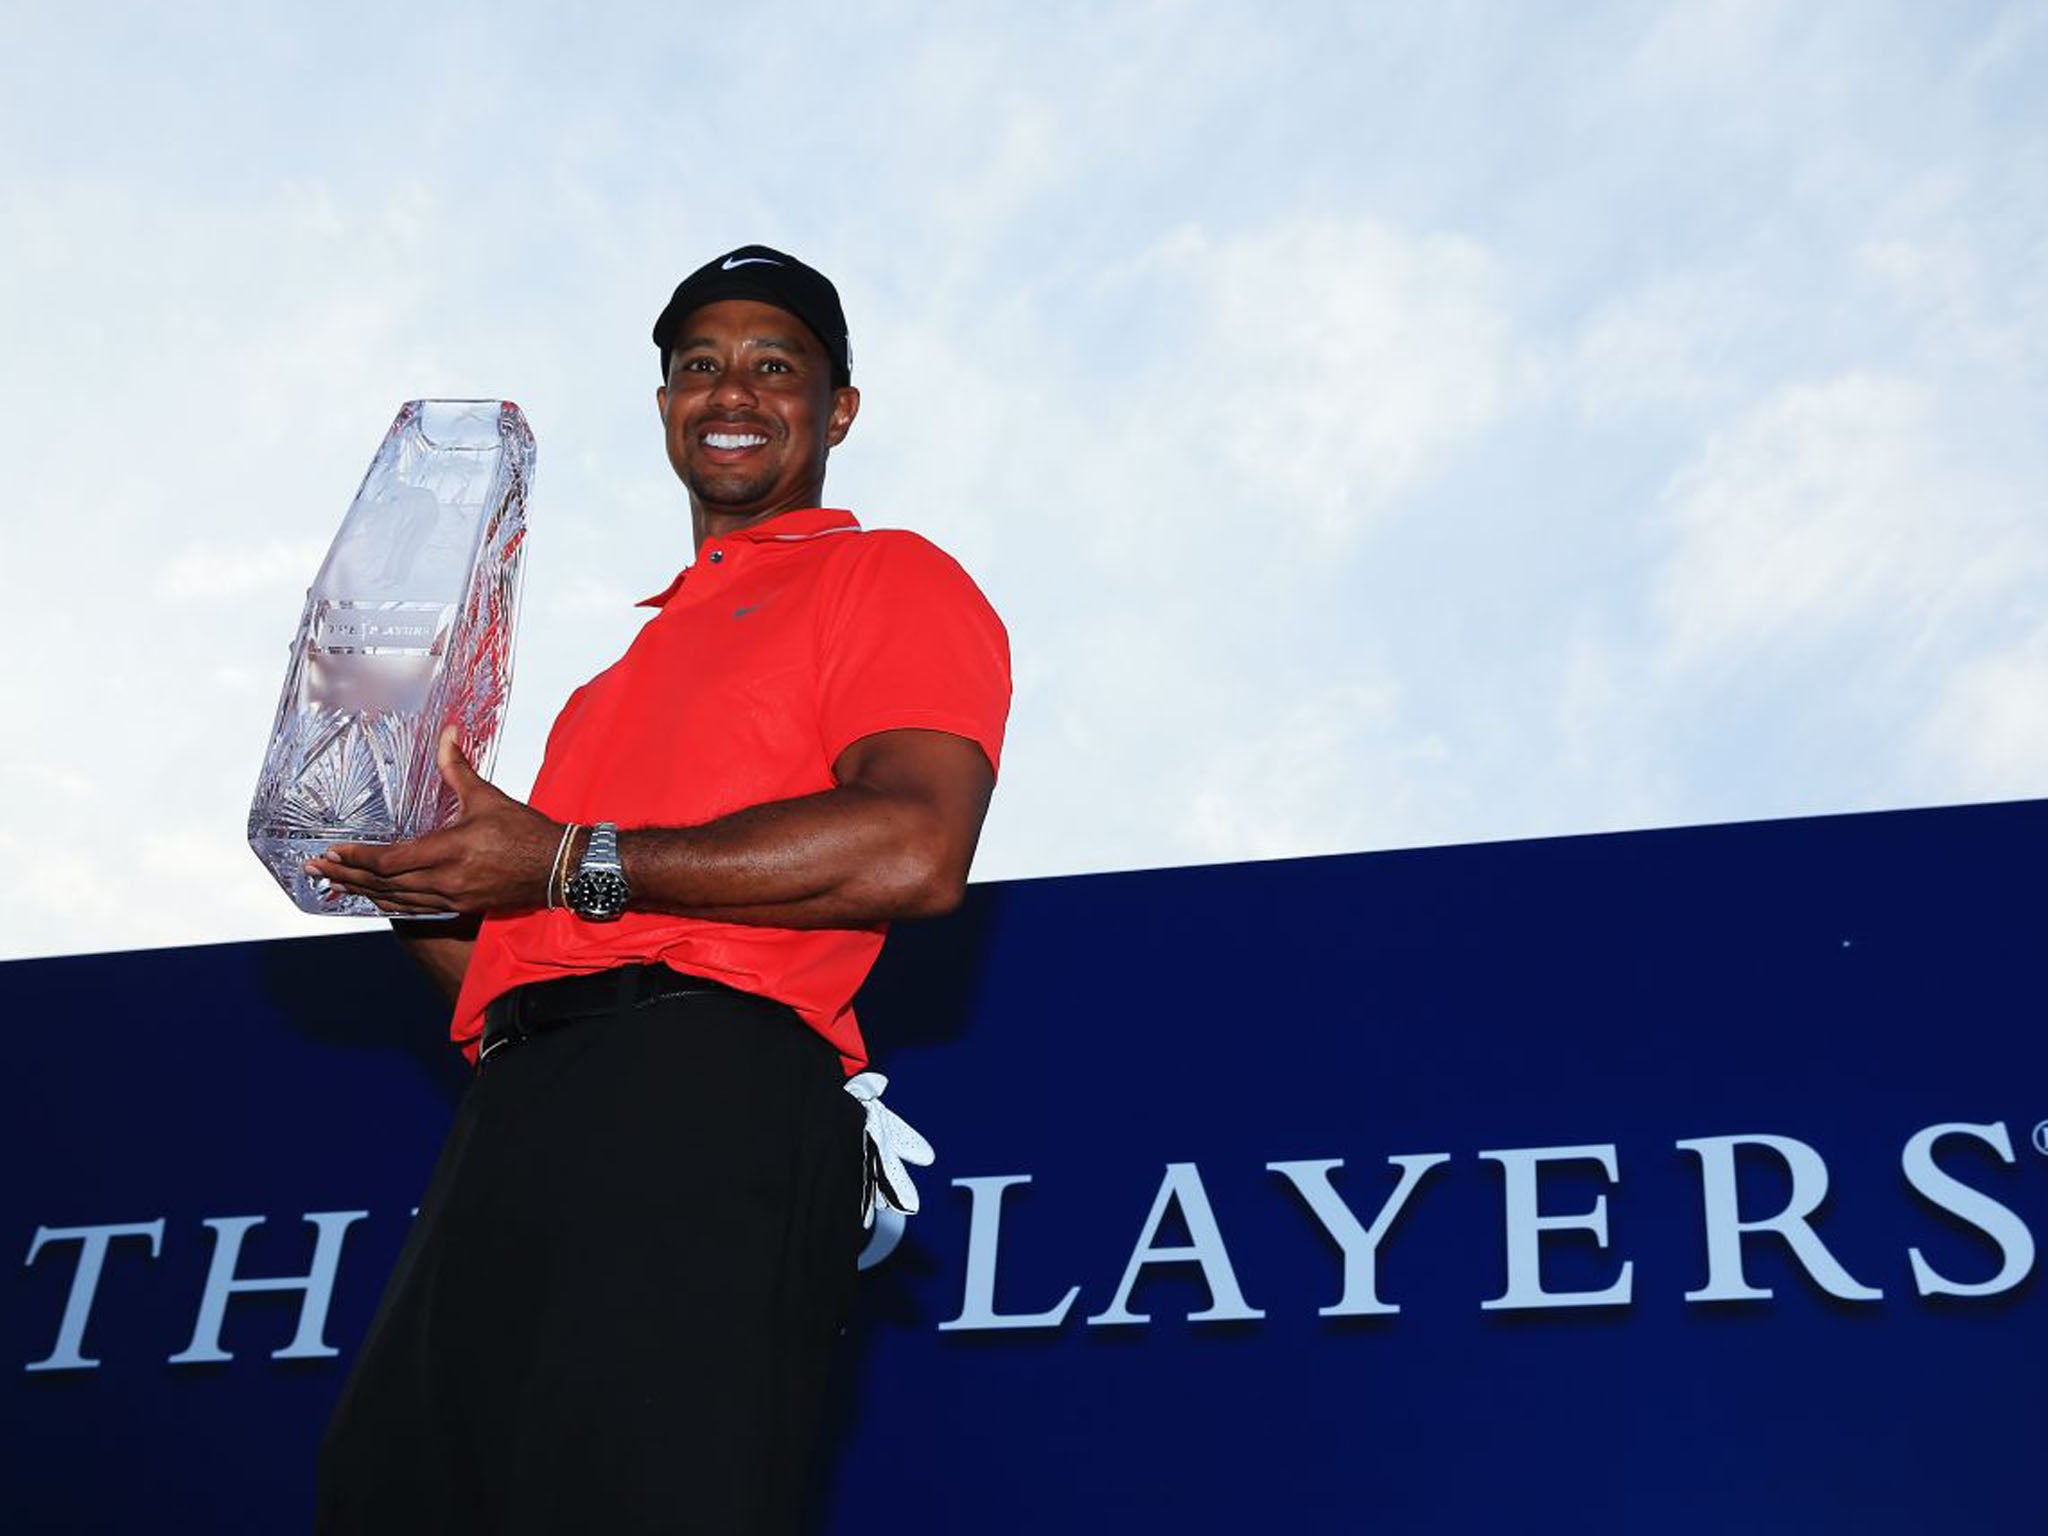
(747, 261)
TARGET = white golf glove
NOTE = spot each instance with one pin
(891, 1142)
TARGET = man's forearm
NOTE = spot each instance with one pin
(850, 857)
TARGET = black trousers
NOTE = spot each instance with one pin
(617, 1304)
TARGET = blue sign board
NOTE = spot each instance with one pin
(1684, 1180)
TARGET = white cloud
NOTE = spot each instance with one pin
(209, 572)
(1709, 47)
(1668, 344)
(1829, 512)
(1259, 405)
(1988, 736)
(2013, 40)
(1333, 363)
(40, 782)
(1338, 768)
(196, 885)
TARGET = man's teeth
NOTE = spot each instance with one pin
(734, 439)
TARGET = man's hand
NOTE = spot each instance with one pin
(494, 857)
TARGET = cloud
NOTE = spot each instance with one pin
(1335, 362)
(1670, 343)
(1341, 767)
(40, 781)
(210, 572)
(1829, 512)
(194, 885)
(1987, 737)
(1190, 442)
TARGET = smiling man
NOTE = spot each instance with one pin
(617, 1304)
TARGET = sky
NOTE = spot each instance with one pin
(1379, 425)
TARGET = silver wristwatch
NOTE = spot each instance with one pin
(598, 891)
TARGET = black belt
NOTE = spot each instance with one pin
(538, 1006)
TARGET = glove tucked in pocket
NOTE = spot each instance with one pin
(891, 1142)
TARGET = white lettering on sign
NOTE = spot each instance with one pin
(69, 1353)
(222, 1283)
(1182, 1186)
(1360, 1245)
(1526, 1226)
(1726, 1227)
(984, 1224)
(1950, 1194)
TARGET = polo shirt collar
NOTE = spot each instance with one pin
(794, 527)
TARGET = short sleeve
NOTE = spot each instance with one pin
(907, 641)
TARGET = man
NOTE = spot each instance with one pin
(616, 1306)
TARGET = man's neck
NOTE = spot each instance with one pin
(711, 523)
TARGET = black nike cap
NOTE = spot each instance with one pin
(772, 277)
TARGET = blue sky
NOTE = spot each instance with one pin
(1380, 425)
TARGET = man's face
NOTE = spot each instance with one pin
(749, 410)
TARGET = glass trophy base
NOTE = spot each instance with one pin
(285, 857)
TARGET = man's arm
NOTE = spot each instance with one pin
(892, 839)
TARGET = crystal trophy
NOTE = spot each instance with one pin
(407, 631)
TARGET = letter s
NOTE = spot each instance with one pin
(1969, 1205)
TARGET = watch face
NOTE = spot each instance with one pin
(597, 894)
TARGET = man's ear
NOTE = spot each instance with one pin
(661, 402)
(845, 406)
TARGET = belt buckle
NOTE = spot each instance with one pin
(504, 1024)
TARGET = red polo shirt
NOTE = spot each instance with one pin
(783, 645)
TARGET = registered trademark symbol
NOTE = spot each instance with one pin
(2041, 1138)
